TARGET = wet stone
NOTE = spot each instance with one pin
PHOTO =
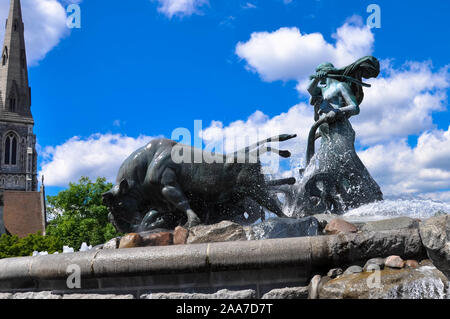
(130, 241)
(374, 264)
(158, 239)
(353, 270)
(287, 293)
(285, 228)
(394, 262)
(335, 272)
(180, 235)
(340, 226)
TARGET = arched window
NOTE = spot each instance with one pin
(11, 149)
(5, 55)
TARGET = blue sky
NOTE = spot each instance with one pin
(139, 69)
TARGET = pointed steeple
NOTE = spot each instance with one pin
(18, 157)
(15, 94)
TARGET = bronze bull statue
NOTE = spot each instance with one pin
(155, 190)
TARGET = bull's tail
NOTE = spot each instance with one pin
(282, 181)
(278, 138)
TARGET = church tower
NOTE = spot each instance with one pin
(18, 157)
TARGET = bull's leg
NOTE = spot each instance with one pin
(264, 199)
(173, 193)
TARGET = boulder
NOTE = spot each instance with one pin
(130, 241)
(221, 294)
(313, 287)
(394, 262)
(335, 272)
(374, 264)
(36, 295)
(391, 224)
(353, 270)
(287, 293)
(180, 235)
(425, 282)
(112, 244)
(284, 228)
(223, 231)
(435, 235)
(157, 239)
(411, 263)
(340, 226)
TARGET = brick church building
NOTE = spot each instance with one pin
(22, 206)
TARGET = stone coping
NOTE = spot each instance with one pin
(303, 254)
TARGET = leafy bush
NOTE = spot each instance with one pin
(13, 246)
(76, 215)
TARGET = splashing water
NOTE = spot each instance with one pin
(414, 208)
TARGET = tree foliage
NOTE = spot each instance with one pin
(78, 215)
(13, 246)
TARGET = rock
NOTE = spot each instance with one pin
(112, 244)
(340, 226)
(97, 296)
(335, 272)
(36, 295)
(158, 239)
(287, 293)
(324, 219)
(221, 294)
(391, 224)
(374, 264)
(353, 270)
(425, 282)
(98, 247)
(411, 263)
(223, 231)
(313, 288)
(5, 296)
(435, 234)
(285, 228)
(130, 241)
(394, 262)
(180, 235)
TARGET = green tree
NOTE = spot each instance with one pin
(13, 246)
(78, 215)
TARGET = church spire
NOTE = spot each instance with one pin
(14, 90)
(18, 157)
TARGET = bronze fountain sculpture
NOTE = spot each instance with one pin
(154, 191)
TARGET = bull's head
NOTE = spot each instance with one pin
(123, 206)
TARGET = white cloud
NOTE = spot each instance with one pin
(45, 26)
(181, 7)
(97, 155)
(403, 169)
(401, 103)
(287, 54)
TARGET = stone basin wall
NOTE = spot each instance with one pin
(300, 267)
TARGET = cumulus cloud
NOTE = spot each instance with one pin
(287, 54)
(45, 25)
(402, 102)
(181, 7)
(97, 155)
(403, 169)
